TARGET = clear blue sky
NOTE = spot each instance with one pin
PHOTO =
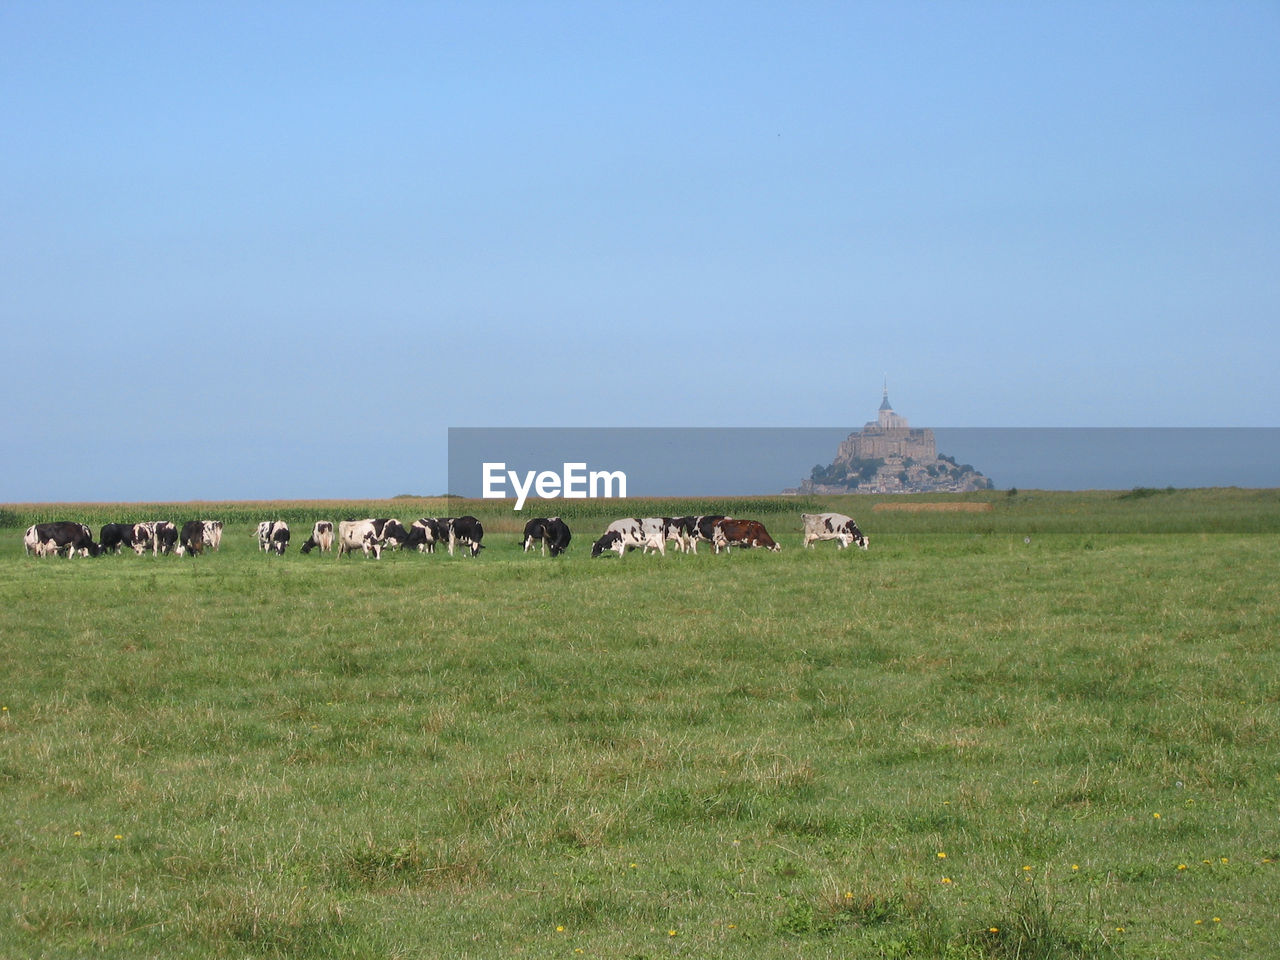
(276, 250)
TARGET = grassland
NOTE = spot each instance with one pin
(1047, 730)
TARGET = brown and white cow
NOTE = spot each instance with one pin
(191, 539)
(742, 533)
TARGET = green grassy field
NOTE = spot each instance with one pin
(1045, 730)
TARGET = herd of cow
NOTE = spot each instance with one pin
(69, 538)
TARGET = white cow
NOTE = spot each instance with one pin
(647, 533)
(321, 536)
(369, 536)
(832, 526)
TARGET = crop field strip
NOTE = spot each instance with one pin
(1046, 729)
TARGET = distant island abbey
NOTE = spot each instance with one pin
(888, 455)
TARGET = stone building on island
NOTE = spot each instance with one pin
(888, 455)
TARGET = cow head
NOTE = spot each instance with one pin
(610, 541)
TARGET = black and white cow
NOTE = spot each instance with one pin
(160, 536)
(630, 533)
(551, 532)
(75, 538)
(680, 530)
(321, 537)
(164, 537)
(273, 535)
(700, 529)
(392, 532)
(212, 534)
(191, 539)
(371, 535)
(426, 533)
(115, 536)
(144, 535)
(832, 526)
(356, 535)
(36, 547)
(465, 530)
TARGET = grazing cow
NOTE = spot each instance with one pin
(465, 530)
(212, 534)
(165, 537)
(32, 543)
(742, 533)
(265, 530)
(679, 529)
(116, 536)
(370, 535)
(700, 529)
(550, 531)
(321, 536)
(832, 526)
(392, 532)
(646, 533)
(35, 547)
(75, 538)
(358, 535)
(426, 533)
(144, 535)
(160, 535)
(191, 540)
(280, 537)
(273, 535)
